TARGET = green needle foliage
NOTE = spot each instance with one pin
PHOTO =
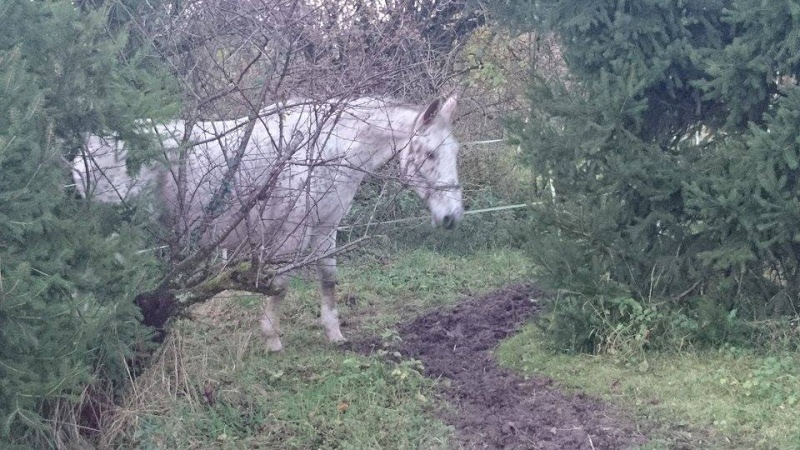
(68, 271)
(668, 159)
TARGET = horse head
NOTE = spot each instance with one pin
(428, 163)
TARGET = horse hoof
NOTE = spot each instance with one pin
(335, 336)
(274, 345)
(337, 340)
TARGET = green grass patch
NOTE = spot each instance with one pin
(378, 292)
(432, 277)
(212, 384)
(725, 398)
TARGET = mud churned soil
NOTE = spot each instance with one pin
(491, 407)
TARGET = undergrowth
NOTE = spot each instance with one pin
(622, 326)
(212, 385)
(722, 398)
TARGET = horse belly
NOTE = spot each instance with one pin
(285, 220)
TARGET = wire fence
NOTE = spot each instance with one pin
(489, 141)
(415, 218)
(470, 212)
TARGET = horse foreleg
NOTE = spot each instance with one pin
(270, 319)
(329, 316)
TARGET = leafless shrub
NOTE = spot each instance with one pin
(229, 52)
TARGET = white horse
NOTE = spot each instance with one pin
(280, 184)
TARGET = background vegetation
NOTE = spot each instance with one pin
(668, 153)
(68, 271)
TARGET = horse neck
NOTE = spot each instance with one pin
(385, 138)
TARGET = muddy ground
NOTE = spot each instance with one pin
(491, 407)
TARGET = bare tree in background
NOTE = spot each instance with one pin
(233, 50)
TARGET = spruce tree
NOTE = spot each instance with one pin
(666, 161)
(68, 270)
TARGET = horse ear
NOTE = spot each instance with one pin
(427, 117)
(449, 108)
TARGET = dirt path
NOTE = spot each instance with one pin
(492, 407)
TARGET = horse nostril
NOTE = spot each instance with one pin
(448, 221)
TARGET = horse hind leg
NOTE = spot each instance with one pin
(329, 316)
(270, 322)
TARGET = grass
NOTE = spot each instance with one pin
(313, 397)
(212, 385)
(385, 290)
(722, 399)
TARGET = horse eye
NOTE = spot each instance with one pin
(431, 155)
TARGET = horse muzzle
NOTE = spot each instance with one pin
(448, 221)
